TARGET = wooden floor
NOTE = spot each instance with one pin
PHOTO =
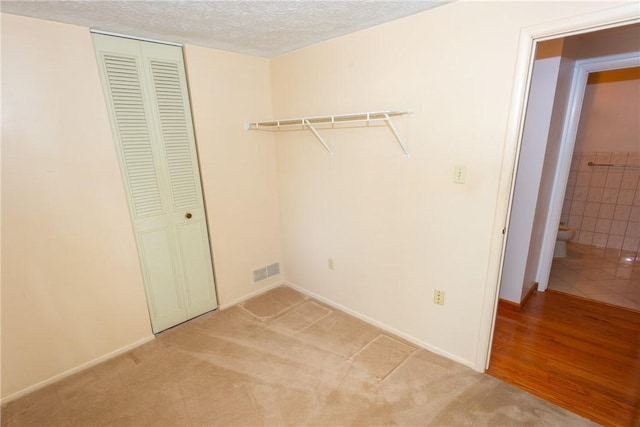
(579, 354)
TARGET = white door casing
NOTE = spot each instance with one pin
(147, 98)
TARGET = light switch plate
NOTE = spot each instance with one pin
(459, 174)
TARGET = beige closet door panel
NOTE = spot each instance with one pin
(145, 87)
(200, 292)
(165, 301)
(131, 119)
(181, 164)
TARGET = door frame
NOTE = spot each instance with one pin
(581, 72)
(529, 36)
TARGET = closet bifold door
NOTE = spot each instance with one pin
(146, 95)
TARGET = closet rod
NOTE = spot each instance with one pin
(612, 165)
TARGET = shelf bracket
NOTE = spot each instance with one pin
(393, 130)
(317, 135)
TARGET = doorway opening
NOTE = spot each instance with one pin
(594, 50)
(616, 17)
(601, 207)
(547, 167)
(610, 19)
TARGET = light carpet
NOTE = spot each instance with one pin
(281, 358)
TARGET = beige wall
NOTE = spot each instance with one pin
(398, 229)
(71, 286)
(238, 167)
(72, 290)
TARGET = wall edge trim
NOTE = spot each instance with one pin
(533, 289)
(517, 306)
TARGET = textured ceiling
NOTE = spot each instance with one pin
(260, 28)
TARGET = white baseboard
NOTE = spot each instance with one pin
(78, 368)
(251, 295)
(382, 326)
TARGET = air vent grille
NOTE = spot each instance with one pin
(266, 272)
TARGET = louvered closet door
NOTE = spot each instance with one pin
(145, 87)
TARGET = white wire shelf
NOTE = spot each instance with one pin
(333, 122)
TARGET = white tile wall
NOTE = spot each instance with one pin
(603, 203)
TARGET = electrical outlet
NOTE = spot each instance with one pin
(438, 296)
(330, 264)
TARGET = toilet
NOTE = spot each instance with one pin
(565, 233)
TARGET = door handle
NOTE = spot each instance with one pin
(187, 215)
